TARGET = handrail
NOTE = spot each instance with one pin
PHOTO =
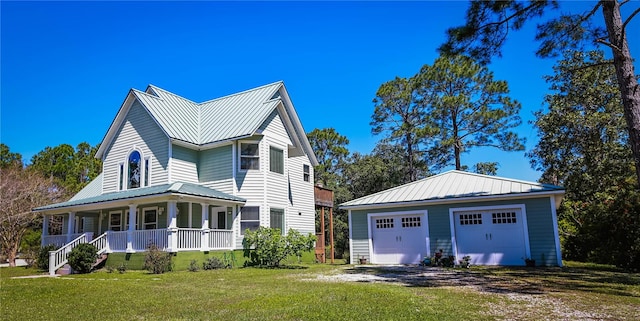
(100, 243)
(58, 258)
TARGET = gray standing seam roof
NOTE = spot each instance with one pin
(233, 116)
(451, 185)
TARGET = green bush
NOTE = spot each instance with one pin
(83, 257)
(267, 247)
(42, 261)
(193, 266)
(156, 260)
(213, 263)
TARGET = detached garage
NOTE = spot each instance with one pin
(494, 220)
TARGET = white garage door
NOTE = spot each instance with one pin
(491, 237)
(399, 239)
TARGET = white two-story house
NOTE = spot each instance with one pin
(193, 176)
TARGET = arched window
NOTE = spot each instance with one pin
(135, 168)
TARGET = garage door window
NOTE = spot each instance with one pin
(413, 221)
(384, 223)
(504, 218)
(471, 219)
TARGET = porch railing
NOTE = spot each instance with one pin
(117, 241)
(189, 239)
(143, 238)
(100, 243)
(220, 239)
(58, 258)
(57, 240)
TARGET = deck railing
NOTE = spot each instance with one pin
(220, 239)
(57, 240)
(100, 243)
(58, 258)
(117, 241)
(189, 239)
(143, 238)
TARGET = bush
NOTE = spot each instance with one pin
(42, 261)
(156, 260)
(30, 247)
(122, 268)
(267, 247)
(193, 266)
(213, 263)
(83, 257)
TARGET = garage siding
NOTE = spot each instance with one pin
(539, 222)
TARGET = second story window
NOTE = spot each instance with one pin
(249, 156)
(133, 177)
(276, 160)
(306, 175)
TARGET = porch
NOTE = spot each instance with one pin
(184, 239)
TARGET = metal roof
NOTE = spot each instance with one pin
(452, 185)
(230, 117)
(94, 188)
(174, 188)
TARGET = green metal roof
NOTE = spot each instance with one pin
(453, 185)
(178, 188)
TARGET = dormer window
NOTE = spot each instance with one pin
(135, 168)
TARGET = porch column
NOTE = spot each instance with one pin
(204, 245)
(45, 229)
(172, 229)
(131, 229)
(71, 226)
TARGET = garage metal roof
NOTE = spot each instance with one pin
(453, 185)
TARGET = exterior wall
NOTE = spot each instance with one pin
(539, 223)
(184, 164)
(301, 215)
(215, 168)
(138, 131)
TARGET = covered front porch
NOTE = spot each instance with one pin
(172, 226)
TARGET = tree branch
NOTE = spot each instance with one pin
(635, 12)
(515, 14)
(604, 63)
(608, 44)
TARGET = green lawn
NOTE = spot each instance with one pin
(574, 292)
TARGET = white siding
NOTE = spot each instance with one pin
(139, 131)
(184, 164)
(301, 215)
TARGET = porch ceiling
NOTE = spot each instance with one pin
(182, 190)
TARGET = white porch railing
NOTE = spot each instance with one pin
(117, 241)
(143, 238)
(58, 258)
(100, 243)
(220, 239)
(57, 240)
(189, 239)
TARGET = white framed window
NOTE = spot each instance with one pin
(276, 219)
(134, 169)
(115, 221)
(147, 171)
(150, 218)
(306, 173)
(249, 156)
(249, 218)
(276, 160)
(120, 176)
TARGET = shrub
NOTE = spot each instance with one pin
(82, 257)
(193, 266)
(213, 263)
(42, 261)
(267, 247)
(122, 268)
(156, 260)
(30, 247)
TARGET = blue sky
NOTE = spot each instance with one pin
(66, 67)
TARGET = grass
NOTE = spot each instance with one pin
(296, 294)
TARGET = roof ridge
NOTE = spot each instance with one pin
(240, 93)
(146, 94)
(173, 94)
(503, 178)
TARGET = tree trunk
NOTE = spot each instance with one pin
(626, 75)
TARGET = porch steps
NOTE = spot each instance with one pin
(101, 258)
